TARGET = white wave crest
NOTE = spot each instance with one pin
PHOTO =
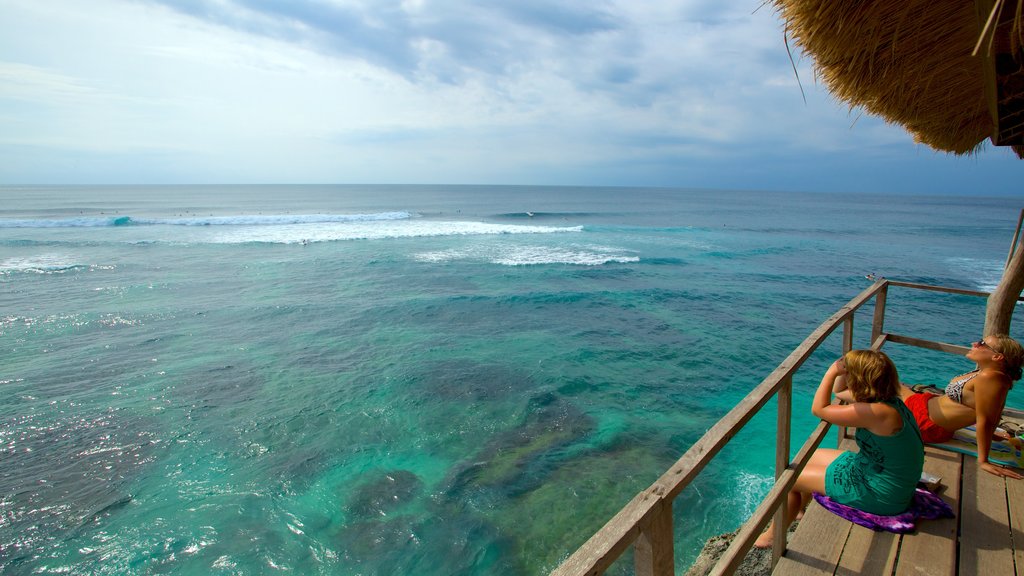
(381, 229)
(273, 219)
(57, 223)
(533, 255)
(984, 274)
(39, 264)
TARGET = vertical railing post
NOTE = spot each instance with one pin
(782, 437)
(879, 322)
(652, 552)
(847, 346)
(848, 334)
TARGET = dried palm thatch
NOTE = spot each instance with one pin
(928, 65)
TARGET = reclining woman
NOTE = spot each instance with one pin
(975, 398)
(881, 477)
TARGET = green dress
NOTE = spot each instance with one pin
(882, 476)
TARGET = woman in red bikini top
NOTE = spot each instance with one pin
(977, 397)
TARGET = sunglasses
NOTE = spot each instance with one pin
(987, 345)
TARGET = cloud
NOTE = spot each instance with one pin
(597, 46)
(406, 38)
(379, 35)
(436, 91)
(31, 83)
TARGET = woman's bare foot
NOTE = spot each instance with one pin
(804, 501)
(765, 539)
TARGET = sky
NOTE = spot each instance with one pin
(687, 93)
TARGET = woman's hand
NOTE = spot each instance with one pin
(823, 396)
(838, 367)
(999, 470)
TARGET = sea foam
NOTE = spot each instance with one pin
(374, 230)
(509, 255)
(40, 264)
(985, 273)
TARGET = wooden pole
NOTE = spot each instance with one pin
(847, 346)
(999, 310)
(652, 553)
(879, 321)
(782, 442)
(1016, 238)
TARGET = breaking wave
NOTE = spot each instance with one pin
(533, 255)
(328, 232)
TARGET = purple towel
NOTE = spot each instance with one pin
(924, 506)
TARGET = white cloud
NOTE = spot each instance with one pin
(34, 84)
(661, 92)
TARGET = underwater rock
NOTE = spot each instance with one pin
(463, 380)
(383, 494)
(444, 542)
(520, 459)
(367, 539)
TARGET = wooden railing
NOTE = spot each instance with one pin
(646, 521)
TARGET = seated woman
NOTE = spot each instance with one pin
(977, 397)
(881, 477)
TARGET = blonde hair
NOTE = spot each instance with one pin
(871, 376)
(1012, 353)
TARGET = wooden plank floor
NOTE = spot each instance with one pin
(978, 542)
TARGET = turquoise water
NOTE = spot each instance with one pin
(422, 379)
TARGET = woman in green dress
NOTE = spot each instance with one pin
(882, 475)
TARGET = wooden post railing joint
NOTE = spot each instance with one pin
(879, 320)
(653, 553)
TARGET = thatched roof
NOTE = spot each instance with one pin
(939, 68)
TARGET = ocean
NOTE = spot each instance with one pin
(429, 380)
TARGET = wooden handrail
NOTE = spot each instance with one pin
(647, 519)
(737, 550)
(945, 289)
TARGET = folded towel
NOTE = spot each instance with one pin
(1003, 452)
(924, 506)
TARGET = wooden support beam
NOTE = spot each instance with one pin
(782, 441)
(878, 323)
(653, 554)
(986, 60)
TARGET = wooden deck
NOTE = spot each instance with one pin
(979, 541)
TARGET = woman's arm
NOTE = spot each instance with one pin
(989, 400)
(873, 416)
(841, 391)
(823, 396)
